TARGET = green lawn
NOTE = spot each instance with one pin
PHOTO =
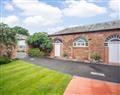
(22, 78)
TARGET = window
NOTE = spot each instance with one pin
(57, 41)
(80, 43)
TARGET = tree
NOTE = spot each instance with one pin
(41, 41)
(8, 40)
(21, 30)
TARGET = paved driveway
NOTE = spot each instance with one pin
(21, 55)
(95, 71)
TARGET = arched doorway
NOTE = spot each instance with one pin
(57, 47)
(113, 44)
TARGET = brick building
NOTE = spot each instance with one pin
(80, 42)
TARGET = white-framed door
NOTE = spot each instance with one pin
(57, 49)
(114, 52)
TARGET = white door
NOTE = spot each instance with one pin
(114, 52)
(57, 49)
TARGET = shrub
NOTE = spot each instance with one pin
(8, 40)
(95, 56)
(65, 54)
(35, 52)
(4, 60)
(40, 40)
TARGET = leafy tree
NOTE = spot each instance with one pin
(8, 40)
(21, 30)
(41, 41)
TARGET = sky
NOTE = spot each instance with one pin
(53, 15)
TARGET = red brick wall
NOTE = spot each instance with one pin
(3, 52)
(95, 44)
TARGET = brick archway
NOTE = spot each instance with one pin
(112, 48)
(57, 40)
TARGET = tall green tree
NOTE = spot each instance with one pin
(40, 40)
(8, 39)
(21, 30)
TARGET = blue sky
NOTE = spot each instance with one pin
(53, 15)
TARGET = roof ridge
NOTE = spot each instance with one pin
(114, 24)
(94, 24)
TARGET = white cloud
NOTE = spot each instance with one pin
(83, 9)
(38, 13)
(58, 28)
(40, 21)
(55, 29)
(11, 20)
(75, 25)
(8, 6)
(34, 21)
(114, 5)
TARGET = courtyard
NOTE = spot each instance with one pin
(95, 71)
(60, 47)
(44, 76)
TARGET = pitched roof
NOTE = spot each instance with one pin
(91, 28)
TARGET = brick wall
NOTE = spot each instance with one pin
(3, 52)
(95, 44)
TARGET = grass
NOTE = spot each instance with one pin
(22, 78)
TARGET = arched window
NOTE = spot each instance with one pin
(112, 38)
(57, 40)
(80, 43)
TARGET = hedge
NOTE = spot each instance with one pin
(35, 52)
(4, 60)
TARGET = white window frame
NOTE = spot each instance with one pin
(79, 43)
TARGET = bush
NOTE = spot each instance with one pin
(35, 52)
(95, 56)
(65, 54)
(40, 40)
(4, 60)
